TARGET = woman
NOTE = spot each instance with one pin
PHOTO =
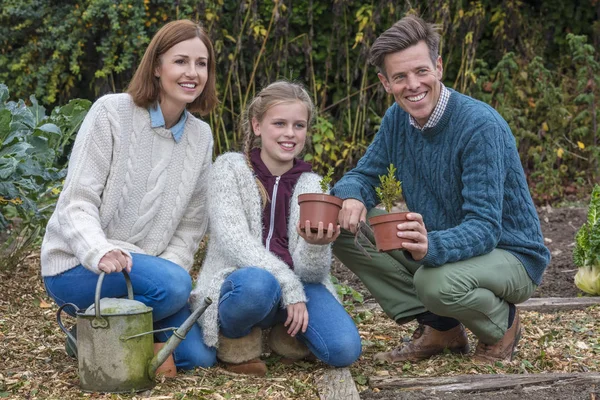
(135, 193)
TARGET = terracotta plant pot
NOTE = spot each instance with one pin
(385, 229)
(317, 207)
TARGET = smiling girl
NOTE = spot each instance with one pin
(135, 193)
(264, 271)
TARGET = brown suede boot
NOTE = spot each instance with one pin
(427, 342)
(167, 368)
(242, 355)
(503, 349)
(290, 348)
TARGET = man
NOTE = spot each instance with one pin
(477, 248)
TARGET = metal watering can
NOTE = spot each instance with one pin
(115, 342)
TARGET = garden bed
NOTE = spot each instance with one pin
(34, 364)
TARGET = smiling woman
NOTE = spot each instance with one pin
(182, 74)
(135, 193)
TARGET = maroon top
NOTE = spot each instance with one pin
(276, 216)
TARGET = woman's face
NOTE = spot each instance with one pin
(182, 73)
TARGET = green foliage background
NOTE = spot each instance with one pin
(535, 61)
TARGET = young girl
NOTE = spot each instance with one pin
(135, 193)
(261, 270)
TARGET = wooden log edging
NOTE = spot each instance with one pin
(481, 383)
(549, 304)
(541, 304)
(336, 384)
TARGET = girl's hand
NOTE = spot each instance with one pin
(115, 261)
(320, 237)
(297, 318)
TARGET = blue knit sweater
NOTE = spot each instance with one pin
(464, 176)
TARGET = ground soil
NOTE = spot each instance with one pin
(559, 226)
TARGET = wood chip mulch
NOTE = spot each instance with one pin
(34, 365)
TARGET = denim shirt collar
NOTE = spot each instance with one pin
(157, 120)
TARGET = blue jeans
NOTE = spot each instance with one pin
(156, 282)
(252, 297)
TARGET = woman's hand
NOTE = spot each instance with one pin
(320, 237)
(115, 261)
(297, 318)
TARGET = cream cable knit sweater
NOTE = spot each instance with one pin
(235, 214)
(129, 187)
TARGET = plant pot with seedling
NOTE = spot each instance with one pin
(385, 226)
(320, 207)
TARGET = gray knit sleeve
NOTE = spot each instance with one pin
(231, 232)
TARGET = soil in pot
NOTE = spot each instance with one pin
(317, 207)
(385, 230)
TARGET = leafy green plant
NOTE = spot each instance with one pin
(326, 180)
(551, 114)
(33, 163)
(586, 254)
(509, 53)
(350, 297)
(390, 189)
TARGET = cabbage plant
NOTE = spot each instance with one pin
(586, 254)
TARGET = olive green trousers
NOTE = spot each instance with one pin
(474, 291)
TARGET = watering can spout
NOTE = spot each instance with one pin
(177, 337)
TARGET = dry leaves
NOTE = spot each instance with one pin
(34, 364)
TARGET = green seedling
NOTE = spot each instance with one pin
(390, 189)
(326, 180)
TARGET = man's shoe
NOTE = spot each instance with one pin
(427, 342)
(503, 349)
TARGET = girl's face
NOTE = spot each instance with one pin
(183, 71)
(283, 134)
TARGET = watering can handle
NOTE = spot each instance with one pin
(100, 322)
(59, 320)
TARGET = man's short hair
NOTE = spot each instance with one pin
(405, 33)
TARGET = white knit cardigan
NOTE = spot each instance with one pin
(130, 187)
(235, 240)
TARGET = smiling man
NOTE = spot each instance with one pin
(477, 247)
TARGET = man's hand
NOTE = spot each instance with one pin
(414, 229)
(353, 211)
(115, 261)
(297, 318)
(320, 237)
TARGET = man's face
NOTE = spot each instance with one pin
(413, 80)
